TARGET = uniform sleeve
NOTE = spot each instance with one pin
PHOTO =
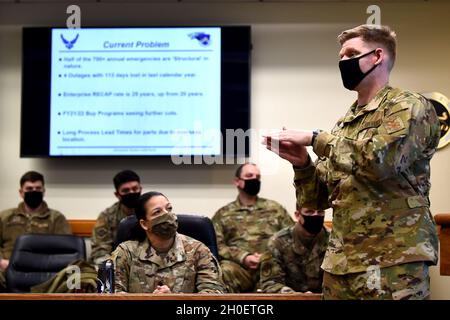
(61, 225)
(102, 241)
(409, 132)
(311, 189)
(122, 259)
(226, 252)
(272, 275)
(209, 278)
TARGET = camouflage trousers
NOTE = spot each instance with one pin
(409, 281)
(238, 278)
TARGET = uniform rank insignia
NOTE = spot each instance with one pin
(394, 125)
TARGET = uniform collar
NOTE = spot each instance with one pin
(373, 104)
(301, 246)
(175, 254)
(258, 204)
(122, 209)
(42, 212)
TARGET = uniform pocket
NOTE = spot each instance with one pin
(186, 277)
(367, 133)
(40, 226)
(13, 229)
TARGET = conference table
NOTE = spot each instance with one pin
(149, 296)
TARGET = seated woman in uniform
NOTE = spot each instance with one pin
(161, 260)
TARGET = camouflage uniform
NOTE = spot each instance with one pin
(374, 171)
(105, 231)
(404, 281)
(292, 263)
(242, 231)
(187, 267)
(15, 222)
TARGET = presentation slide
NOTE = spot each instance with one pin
(135, 91)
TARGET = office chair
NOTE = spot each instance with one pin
(37, 257)
(194, 226)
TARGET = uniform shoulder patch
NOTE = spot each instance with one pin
(394, 125)
(101, 232)
(266, 269)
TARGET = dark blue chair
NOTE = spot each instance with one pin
(38, 257)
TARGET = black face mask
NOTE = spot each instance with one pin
(351, 73)
(130, 200)
(252, 186)
(313, 224)
(33, 199)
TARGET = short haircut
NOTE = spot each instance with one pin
(31, 176)
(238, 172)
(379, 35)
(124, 177)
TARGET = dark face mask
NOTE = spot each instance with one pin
(252, 186)
(165, 225)
(313, 224)
(351, 73)
(33, 199)
(130, 200)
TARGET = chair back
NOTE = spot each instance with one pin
(37, 257)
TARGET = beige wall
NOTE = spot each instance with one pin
(295, 83)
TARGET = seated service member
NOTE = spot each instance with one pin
(243, 228)
(128, 190)
(162, 260)
(292, 262)
(31, 216)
